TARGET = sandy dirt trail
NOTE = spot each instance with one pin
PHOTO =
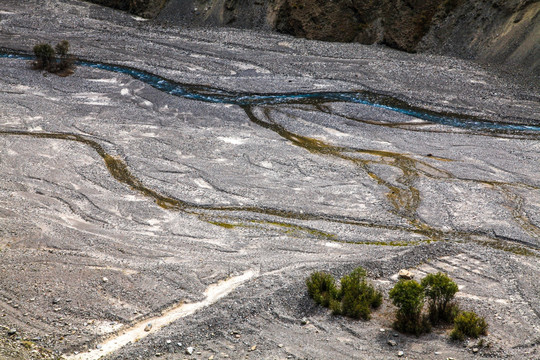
(144, 328)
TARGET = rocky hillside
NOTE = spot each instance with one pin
(498, 31)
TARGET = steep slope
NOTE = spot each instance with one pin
(499, 31)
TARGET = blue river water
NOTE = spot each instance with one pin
(214, 95)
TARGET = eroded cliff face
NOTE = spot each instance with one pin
(496, 31)
(499, 31)
(398, 23)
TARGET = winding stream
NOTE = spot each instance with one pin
(403, 196)
(364, 97)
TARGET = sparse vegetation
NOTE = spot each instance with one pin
(62, 48)
(468, 324)
(354, 298)
(322, 288)
(357, 296)
(46, 58)
(408, 296)
(440, 291)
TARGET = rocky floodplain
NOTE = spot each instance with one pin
(173, 204)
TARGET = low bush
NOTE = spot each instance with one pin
(62, 48)
(322, 288)
(440, 291)
(66, 61)
(357, 296)
(354, 298)
(46, 58)
(468, 324)
(408, 296)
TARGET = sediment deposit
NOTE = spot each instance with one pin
(176, 158)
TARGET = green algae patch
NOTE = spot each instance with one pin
(514, 249)
(223, 224)
(293, 229)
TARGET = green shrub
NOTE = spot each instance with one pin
(322, 288)
(408, 296)
(45, 56)
(62, 48)
(357, 296)
(468, 324)
(354, 298)
(335, 307)
(359, 273)
(440, 291)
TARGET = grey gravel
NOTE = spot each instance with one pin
(66, 223)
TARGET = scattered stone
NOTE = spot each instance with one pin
(405, 274)
(253, 348)
(437, 353)
(148, 327)
(382, 330)
(105, 280)
(189, 350)
(304, 321)
(12, 332)
(475, 350)
(280, 345)
(392, 343)
(168, 342)
(179, 344)
(400, 353)
(211, 357)
(158, 354)
(396, 334)
(56, 301)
